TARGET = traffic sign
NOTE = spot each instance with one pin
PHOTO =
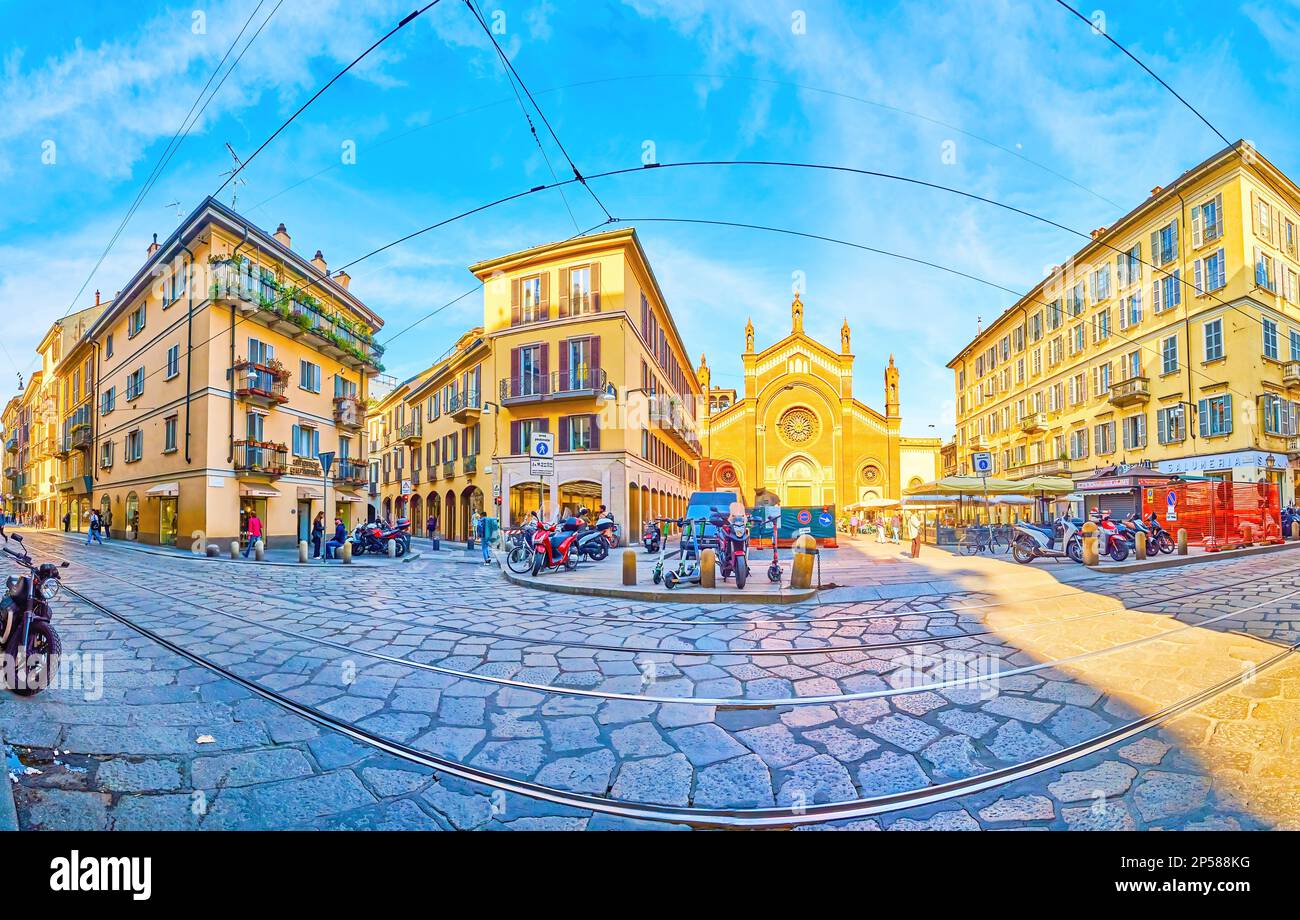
(326, 461)
(981, 463)
(541, 454)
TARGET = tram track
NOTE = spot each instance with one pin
(700, 817)
(727, 702)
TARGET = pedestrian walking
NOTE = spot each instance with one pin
(914, 532)
(92, 529)
(431, 526)
(486, 533)
(67, 522)
(254, 532)
(880, 528)
(317, 533)
(895, 525)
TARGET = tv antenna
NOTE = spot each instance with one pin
(235, 179)
(179, 211)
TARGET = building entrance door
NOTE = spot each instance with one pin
(304, 520)
(798, 496)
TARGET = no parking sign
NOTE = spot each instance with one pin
(804, 516)
(1171, 501)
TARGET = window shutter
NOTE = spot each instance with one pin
(1142, 429)
(595, 287)
(1220, 278)
(564, 292)
(296, 441)
(1155, 248)
(1198, 229)
(514, 438)
(1227, 414)
(1198, 277)
(1203, 417)
(545, 349)
(564, 364)
(595, 354)
(564, 433)
(514, 372)
(595, 431)
(514, 302)
(1156, 304)
(546, 295)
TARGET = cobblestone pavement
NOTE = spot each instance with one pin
(692, 707)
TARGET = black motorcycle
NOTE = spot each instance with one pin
(30, 644)
(651, 534)
(733, 545)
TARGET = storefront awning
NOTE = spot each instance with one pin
(164, 490)
(257, 492)
(343, 497)
(309, 493)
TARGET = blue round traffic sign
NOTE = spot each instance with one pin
(541, 449)
(825, 519)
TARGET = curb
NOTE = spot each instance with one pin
(133, 547)
(662, 596)
(1173, 562)
(8, 811)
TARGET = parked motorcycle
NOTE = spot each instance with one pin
(30, 644)
(1061, 540)
(733, 544)
(1113, 540)
(374, 537)
(1159, 537)
(652, 536)
(553, 546)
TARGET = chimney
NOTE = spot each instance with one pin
(342, 278)
(319, 261)
(1156, 191)
(282, 235)
(96, 297)
(153, 247)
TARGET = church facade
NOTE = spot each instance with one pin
(796, 435)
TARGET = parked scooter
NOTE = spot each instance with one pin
(553, 546)
(28, 640)
(652, 536)
(1158, 536)
(1112, 540)
(1061, 540)
(774, 571)
(733, 544)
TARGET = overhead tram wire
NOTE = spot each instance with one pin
(912, 259)
(174, 144)
(410, 17)
(1191, 108)
(706, 163)
(532, 128)
(577, 174)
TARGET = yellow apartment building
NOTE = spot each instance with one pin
(433, 441)
(1171, 338)
(222, 370)
(11, 471)
(65, 440)
(581, 345)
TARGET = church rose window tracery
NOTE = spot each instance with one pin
(798, 425)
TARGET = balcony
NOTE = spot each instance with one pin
(1291, 373)
(77, 485)
(11, 472)
(449, 469)
(1036, 421)
(464, 407)
(261, 384)
(410, 434)
(46, 448)
(297, 313)
(1046, 468)
(351, 473)
(262, 459)
(977, 444)
(471, 464)
(29, 492)
(1130, 392)
(415, 477)
(669, 414)
(577, 383)
(348, 413)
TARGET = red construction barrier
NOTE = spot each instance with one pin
(1218, 515)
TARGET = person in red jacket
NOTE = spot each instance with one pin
(254, 532)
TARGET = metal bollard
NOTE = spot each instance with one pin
(629, 567)
(1140, 545)
(1182, 541)
(708, 569)
(259, 550)
(345, 553)
(234, 549)
(302, 550)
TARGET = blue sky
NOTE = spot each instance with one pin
(1035, 110)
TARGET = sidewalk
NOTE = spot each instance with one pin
(8, 813)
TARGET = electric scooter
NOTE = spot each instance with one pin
(774, 570)
(687, 570)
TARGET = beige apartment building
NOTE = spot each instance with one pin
(221, 371)
(1172, 338)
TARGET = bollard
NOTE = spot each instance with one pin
(391, 549)
(1295, 530)
(302, 550)
(259, 550)
(345, 553)
(1182, 541)
(804, 543)
(234, 549)
(801, 573)
(212, 550)
(629, 567)
(708, 569)
(1140, 545)
(1091, 555)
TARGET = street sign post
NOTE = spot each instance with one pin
(326, 462)
(981, 463)
(541, 454)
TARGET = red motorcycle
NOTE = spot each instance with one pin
(374, 537)
(30, 645)
(553, 545)
(733, 545)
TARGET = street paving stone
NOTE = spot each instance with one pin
(171, 744)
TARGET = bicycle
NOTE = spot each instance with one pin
(980, 538)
